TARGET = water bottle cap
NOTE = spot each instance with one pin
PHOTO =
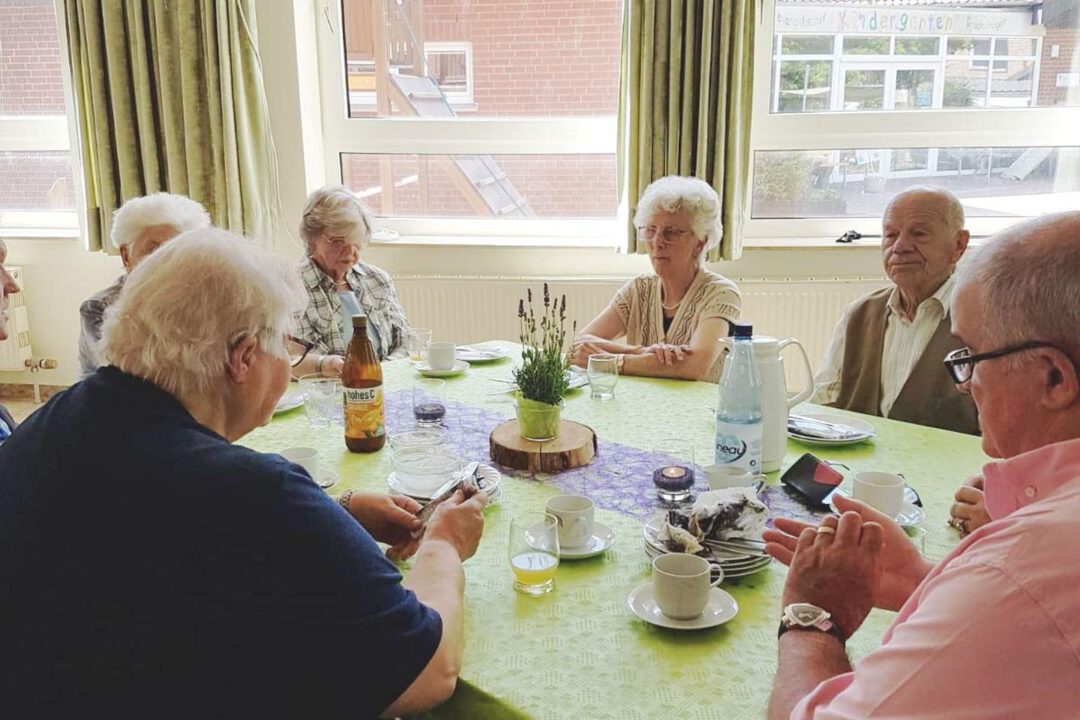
(741, 330)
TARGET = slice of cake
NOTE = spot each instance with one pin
(725, 514)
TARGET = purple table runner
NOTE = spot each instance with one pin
(618, 479)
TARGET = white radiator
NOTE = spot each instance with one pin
(471, 309)
(15, 351)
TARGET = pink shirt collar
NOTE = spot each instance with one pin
(1032, 476)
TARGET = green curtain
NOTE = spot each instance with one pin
(685, 105)
(169, 97)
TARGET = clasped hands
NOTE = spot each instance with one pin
(665, 353)
(391, 519)
(860, 560)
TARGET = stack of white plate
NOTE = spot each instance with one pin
(733, 557)
(489, 479)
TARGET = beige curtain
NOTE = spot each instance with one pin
(685, 108)
(169, 97)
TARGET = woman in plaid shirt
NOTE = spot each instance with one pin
(334, 228)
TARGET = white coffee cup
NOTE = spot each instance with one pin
(441, 355)
(575, 516)
(681, 584)
(728, 476)
(305, 457)
(880, 490)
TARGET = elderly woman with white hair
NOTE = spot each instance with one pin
(145, 555)
(668, 323)
(139, 227)
(335, 226)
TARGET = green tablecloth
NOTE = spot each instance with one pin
(579, 652)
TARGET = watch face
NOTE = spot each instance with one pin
(806, 614)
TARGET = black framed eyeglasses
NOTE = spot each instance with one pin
(961, 363)
(297, 356)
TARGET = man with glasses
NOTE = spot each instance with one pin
(885, 356)
(993, 630)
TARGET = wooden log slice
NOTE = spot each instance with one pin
(573, 447)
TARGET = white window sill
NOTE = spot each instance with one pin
(496, 241)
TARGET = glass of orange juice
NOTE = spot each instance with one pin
(534, 552)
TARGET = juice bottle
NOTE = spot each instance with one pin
(361, 380)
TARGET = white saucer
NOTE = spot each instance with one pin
(602, 538)
(289, 401)
(910, 514)
(864, 429)
(721, 608)
(426, 370)
(327, 478)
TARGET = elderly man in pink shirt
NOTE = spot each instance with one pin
(993, 630)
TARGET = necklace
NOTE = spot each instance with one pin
(670, 307)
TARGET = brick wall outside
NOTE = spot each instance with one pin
(31, 84)
(1067, 61)
(535, 58)
(554, 186)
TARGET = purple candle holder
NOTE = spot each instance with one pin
(674, 478)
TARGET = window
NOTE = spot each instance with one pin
(37, 187)
(475, 119)
(854, 102)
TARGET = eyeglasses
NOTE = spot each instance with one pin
(297, 356)
(335, 241)
(961, 363)
(669, 234)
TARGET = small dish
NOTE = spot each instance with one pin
(489, 479)
(864, 430)
(425, 369)
(721, 608)
(909, 516)
(602, 539)
(289, 401)
(327, 478)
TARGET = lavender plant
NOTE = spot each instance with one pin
(542, 375)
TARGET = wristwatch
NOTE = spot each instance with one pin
(804, 616)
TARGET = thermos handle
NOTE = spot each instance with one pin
(806, 392)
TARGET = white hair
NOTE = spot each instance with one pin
(951, 207)
(186, 306)
(691, 195)
(1029, 276)
(136, 215)
(335, 208)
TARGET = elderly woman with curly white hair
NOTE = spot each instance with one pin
(139, 227)
(146, 554)
(335, 226)
(667, 323)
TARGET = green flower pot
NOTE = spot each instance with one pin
(538, 421)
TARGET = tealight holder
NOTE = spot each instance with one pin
(674, 474)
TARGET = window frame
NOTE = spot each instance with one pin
(881, 129)
(46, 133)
(461, 135)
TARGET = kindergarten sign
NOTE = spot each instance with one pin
(900, 21)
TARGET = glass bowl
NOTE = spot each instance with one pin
(423, 470)
(420, 438)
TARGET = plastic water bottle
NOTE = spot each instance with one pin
(738, 414)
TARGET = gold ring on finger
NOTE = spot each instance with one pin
(826, 530)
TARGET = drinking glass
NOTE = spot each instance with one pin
(429, 402)
(675, 470)
(534, 552)
(320, 398)
(417, 343)
(603, 374)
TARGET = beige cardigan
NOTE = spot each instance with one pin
(709, 296)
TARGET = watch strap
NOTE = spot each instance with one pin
(832, 629)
